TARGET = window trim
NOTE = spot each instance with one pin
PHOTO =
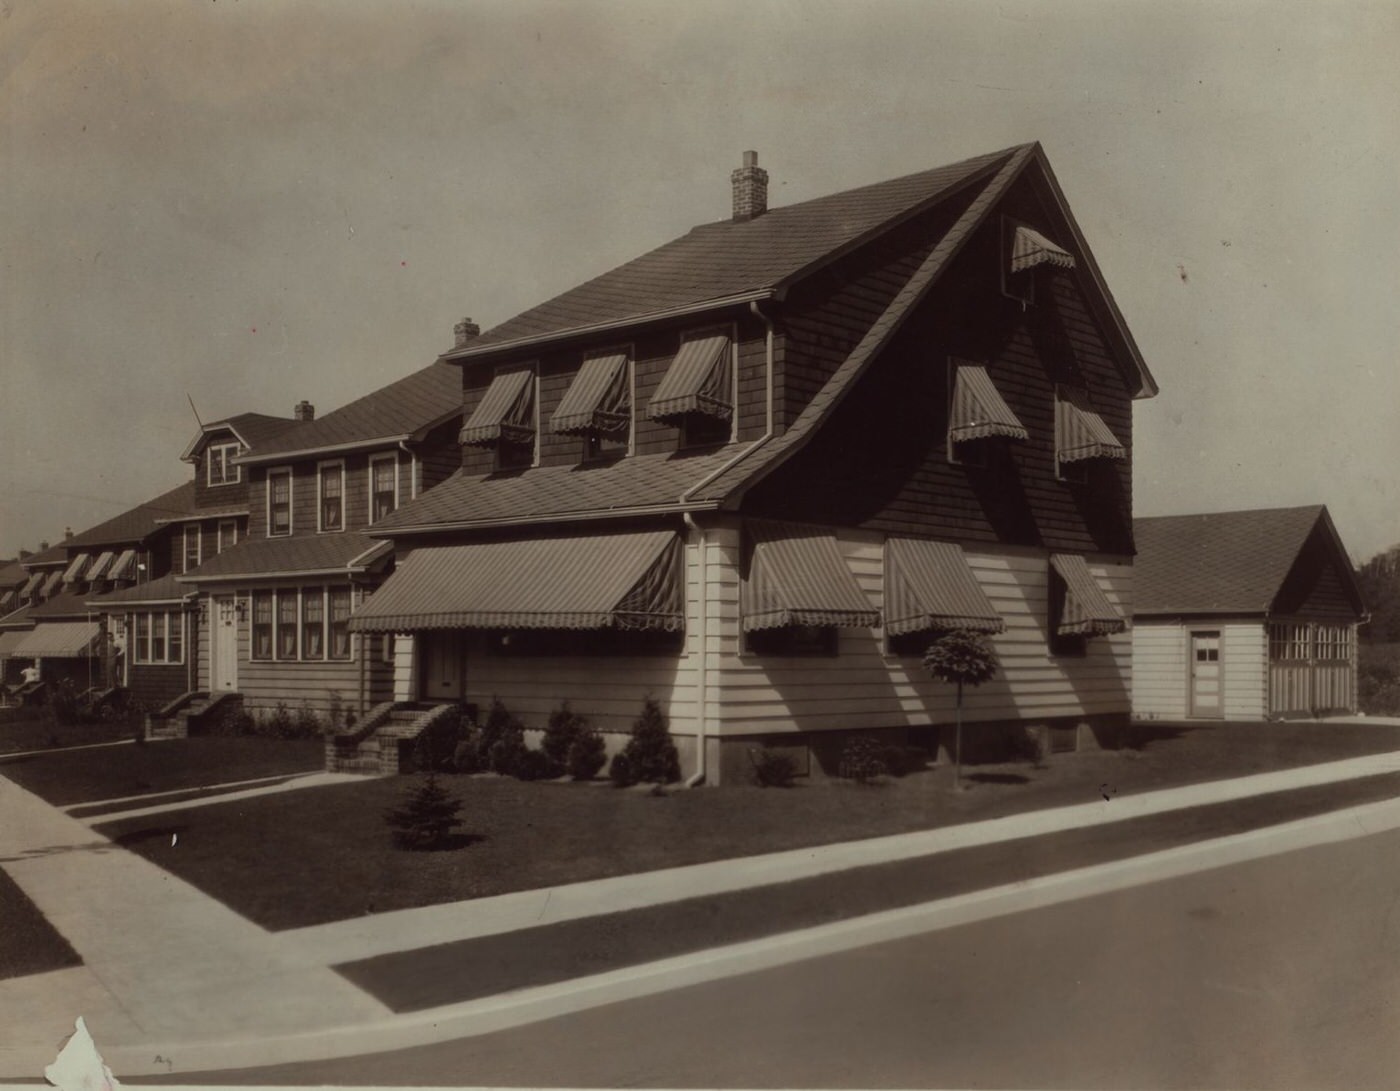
(321, 467)
(533, 367)
(590, 442)
(219, 546)
(185, 568)
(146, 658)
(380, 459)
(276, 597)
(226, 462)
(291, 500)
(731, 331)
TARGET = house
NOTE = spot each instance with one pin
(42, 580)
(756, 470)
(1244, 615)
(278, 598)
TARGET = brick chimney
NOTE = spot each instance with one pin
(750, 183)
(464, 331)
(304, 411)
(67, 533)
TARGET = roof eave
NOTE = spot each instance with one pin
(536, 520)
(204, 430)
(348, 447)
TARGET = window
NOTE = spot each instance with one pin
(228, 535)
(703, 430)
(159, 637)
(222, 469)
(507, 418)
(279, 502)
(598, 405)
(793, 640)
(286, 624)
(192, 547)
(262, 625)
(313, 624)
(384, 487)
(340, 623)
(697, 393)
(331, 486)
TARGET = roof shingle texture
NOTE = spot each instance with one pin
(267, 556)
(399, 409)
(729, 258)
(134, 525)
(1226, 562)
(257, 428)
(165, 589)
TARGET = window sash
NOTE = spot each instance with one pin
(279, 503)
(332, 486)
(222, 541)
(262, 625)
(192, 547)
(383, 487)
(339, 622)
(286, 628)
(158, 638)
(313, 623)
(222, 469)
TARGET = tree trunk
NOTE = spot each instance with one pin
(957, 743)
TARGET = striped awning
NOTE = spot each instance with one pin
(99, 566)
(10, 640)
(1080, 433)
(506, 412)
(58, 640)
(1086, 610)
(124, 568)
(696, 382)
(51, 583)
(978, 410)
(597, 402)
(32, 585)
(929, 586)
(797, 576)
(1030, 248)
(602, 581)
(74, 571)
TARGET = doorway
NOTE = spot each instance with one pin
(1205, 676)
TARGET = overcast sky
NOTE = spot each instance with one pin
(250, 203)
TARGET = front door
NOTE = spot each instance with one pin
(1205, 675)
(223, 645)
(444, 666)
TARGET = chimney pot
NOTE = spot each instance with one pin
(67, 533)
(464, 331)
(750, 186)
(304, 411)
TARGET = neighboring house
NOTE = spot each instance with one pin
(47, 627)
(278, 601)
(1244, 615)
(756, 471)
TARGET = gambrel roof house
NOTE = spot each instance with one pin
(755, 470)
(1244, 615)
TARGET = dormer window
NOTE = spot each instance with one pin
(697, 392)
(1081, 436)
(598, 406)
(1024, 249)
(506, 419)
(222, 469)
(330, 484)
(977, 414)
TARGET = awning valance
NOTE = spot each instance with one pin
(597, 401)
(696, 382)
(1080, 433)
(124, 568)
(929, 586)
(797, 576)
(58, 640)
(978, 410)
(1030, 248)
(51, 583)
(32, 585)
(1086, 610)
(99, 566)
(603, 581)
(74, 571)
(506, 412)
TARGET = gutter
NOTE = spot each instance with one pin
(463, 354)
(535, 520)
(253, 458)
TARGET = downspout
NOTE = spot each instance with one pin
(701, 702)
(412, 470)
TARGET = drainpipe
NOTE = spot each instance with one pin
(412, 470)
(702, 704)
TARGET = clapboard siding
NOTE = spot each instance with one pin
(1245, 665)
(1159, 670)
(1162, 668)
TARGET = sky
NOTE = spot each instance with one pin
(247, 203)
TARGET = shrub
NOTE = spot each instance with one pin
(426, 818)
(537, 765)
(306, 724)
(900, 761)
(563, 728)
(279, 723)
(620, 771)
(507, 754)
(64, 704)
(435, 748)
(860, 760)
(467, 756)
(651, 755)
(587, 754)
(772, 768)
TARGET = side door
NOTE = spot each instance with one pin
(1206, 680)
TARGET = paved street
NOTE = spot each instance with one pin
(1283, 971)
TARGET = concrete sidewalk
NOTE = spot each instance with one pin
(170, 972)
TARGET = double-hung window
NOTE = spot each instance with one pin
(302, 625)
(383, 487)
(313, 623)
(222, 469)
(159, 637)
(286, 625)
(228, 535)
(279, 503)
(331, 486)
(192, 547)
(340, 622)
(262, 625)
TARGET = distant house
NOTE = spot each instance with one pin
(277, 600)
(42, 581)
(1244, 615)
(757, 470)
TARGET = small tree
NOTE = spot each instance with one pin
(427, 816)
(964, 658)
(587, 754)
(650, 755)
(565, 725)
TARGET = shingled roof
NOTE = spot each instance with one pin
(269, 557)
(252, 429)
(135, 524)
(403, 410)
(1230, 562)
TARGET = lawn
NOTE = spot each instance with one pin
(323, 854)
(33, 729)
(29, 944)
(79, 776)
